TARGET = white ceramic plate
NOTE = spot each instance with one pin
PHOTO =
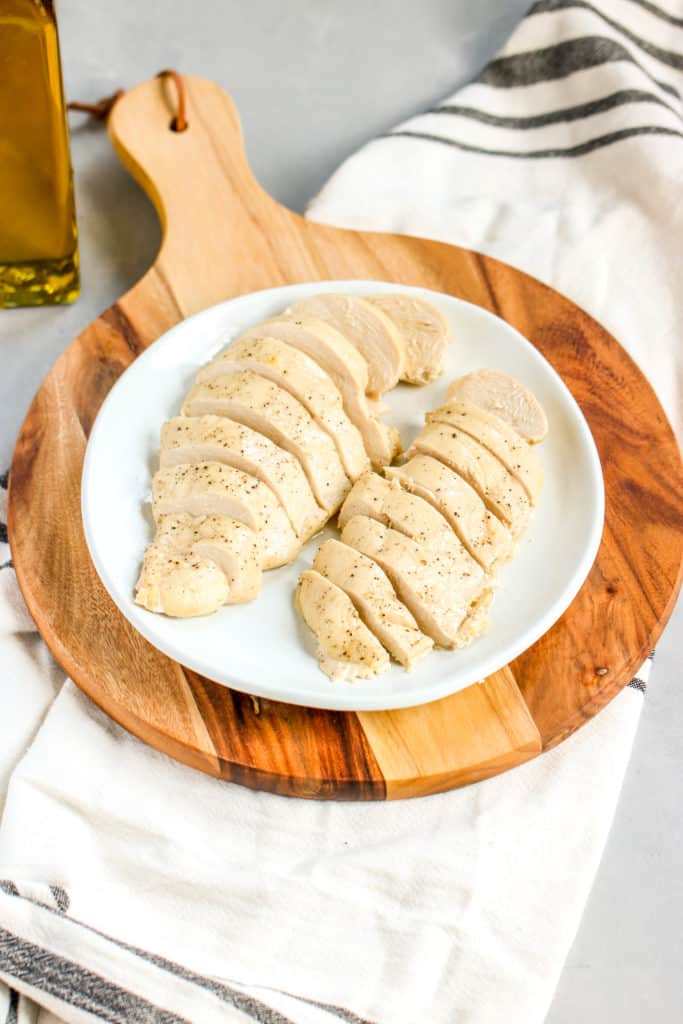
(262, 648)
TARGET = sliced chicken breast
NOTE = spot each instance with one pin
(211, 488)
(374, 597)
(272, 411)
(476, 621)
(234, 547)
(346, 647)
(178, 584)
(500, 492)
(438, 595)
(367, 327)
(216, 439)
(293, 370)
(424, 334)
(388, 503)
(349, 371)
(505, 397)
(179, 575)
(484, 536)
(501, 440)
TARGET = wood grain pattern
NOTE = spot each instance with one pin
(224, 236)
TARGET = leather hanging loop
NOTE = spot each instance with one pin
(179, 122)
(102, 108)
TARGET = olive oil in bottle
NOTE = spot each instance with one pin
(38, 244)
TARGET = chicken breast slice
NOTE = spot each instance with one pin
(180, 585)
(346, 647)
(500, 492)
(388, 503)
(211, 488)
(178, 575)
(438, 595)
(501, 440)
(272, 411)
(349, 371)
(504, 396)
(484, 536)
(424, 334)
(374, 597)
(367, 327)
(217, 439)
(293, 370)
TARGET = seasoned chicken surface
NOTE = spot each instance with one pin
(484, 536)
(431, 533)
(272, 436)
(501, 440)
(187, 439)
(346, 647)
(212, 488)
(349, 371)
(374, 597)
(504, 396)
(424, 335)
(500, 492)
(272, 411)
(198, 563)
(438, 594)
(297, 373)
(367, 327)
(386, 501)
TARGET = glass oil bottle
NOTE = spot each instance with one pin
(38, 241)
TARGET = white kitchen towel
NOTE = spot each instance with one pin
(134, 889)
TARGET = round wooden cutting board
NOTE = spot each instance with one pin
(223, 236)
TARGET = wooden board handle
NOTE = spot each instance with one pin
(214, 214)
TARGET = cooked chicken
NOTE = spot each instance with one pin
(293, 370)
(346, 647)
(504, 396)
(179, 584)
(216, 439)
(476, 621)
(349, 371)
(258, 403)
(372, 332)
(500, 439)
(179, 575)
(424, 334)
(437, 594)
(388, 503)
(374, 597)
(484, 536)
(211, 488)
(500, 492)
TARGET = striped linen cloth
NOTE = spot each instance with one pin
(133, 889)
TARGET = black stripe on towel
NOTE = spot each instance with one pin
(558, 61)
(668, 57)
(540, 154)
(564, 116)
(659, 12)
(69, 982)
(7, 565)
(4, 539)
(13, 1007)
(4, 479)
(638, 684)
(248, 1005)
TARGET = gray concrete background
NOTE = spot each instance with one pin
(314, 79)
